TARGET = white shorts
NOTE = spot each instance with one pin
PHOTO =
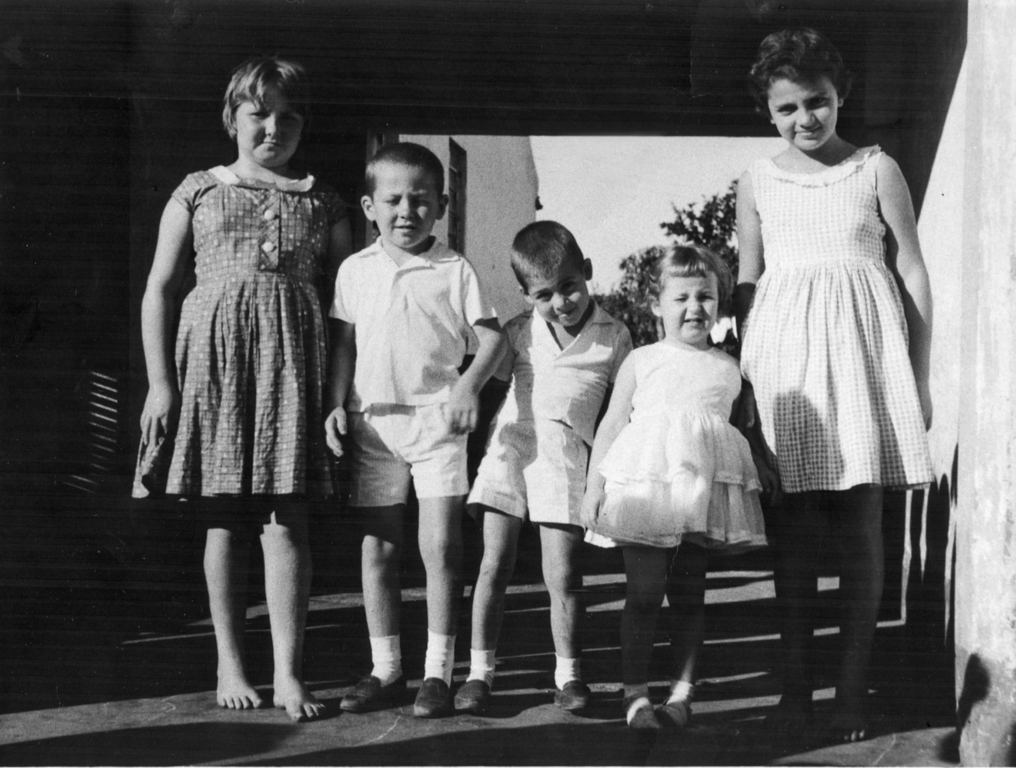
(393, 443)
(542, 470)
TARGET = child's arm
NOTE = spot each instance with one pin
(903, 255)
(341, 365)
(464, 400)
(340, 245)
(157, 307)
(767, 476)
(751, 265)
(617, 416)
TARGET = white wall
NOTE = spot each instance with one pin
(501, 191)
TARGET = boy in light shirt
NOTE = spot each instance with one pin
(404, 311)
(562, 359)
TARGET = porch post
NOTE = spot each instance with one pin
(986, 518)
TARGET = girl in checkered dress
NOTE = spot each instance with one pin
(239, 405)
(835, 303)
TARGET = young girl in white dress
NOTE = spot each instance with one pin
(832, 272)
(668, 467)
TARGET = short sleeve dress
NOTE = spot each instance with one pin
(825, 342)
(250, 349)
(679, 471)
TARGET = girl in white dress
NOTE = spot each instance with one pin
(667, 467)
(831, 269)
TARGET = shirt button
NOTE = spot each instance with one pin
(269, 214)
(268, 247)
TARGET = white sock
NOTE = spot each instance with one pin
(481, 666)
(565, 671)
(440, 657)
(386, 653)
(638, 698)
(681, 691)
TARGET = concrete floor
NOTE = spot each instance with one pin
(115, 696)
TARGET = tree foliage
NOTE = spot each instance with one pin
(710, 224)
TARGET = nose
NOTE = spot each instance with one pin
(270, 124)
(561, 302)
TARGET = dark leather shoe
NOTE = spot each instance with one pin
(574, 696)
(434, 699)
(473, 697)
(369, 694)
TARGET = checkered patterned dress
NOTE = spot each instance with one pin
(825, 343)
(250, 350)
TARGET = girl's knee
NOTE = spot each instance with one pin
(497, 568)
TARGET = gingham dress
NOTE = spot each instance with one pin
(825, 343)
(250, 350)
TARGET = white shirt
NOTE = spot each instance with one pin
(413, 323)
(565, 385)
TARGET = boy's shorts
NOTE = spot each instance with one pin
(542, 470)
(393, 443)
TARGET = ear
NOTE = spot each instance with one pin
(587, 269)
(654, 305)
(442, 206)
(367, 203)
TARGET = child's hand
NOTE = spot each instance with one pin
(462, 409)
(162, 406)
(745, 409)
(335, 430)
(592, 502)
(768, 478)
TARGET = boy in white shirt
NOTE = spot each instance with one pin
(562, 359)
(404, 311)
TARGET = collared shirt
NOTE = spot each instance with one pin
(565, 385)
(413, 323)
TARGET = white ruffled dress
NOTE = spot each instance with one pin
(679, 471)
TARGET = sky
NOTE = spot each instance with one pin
(613, 192)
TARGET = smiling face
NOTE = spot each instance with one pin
(405, 205)
(561, 299)
(268, 133)
(688, 307)
(805, 112)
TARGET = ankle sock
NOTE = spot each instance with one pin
(440, 657)
(565, 671)
(637, 697)
(481, 666)
(386, 653)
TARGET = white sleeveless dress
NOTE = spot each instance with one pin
(825, 342)
(679, 471)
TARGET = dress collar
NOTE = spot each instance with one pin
(226, 176)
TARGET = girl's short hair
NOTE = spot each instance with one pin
(543, 249)
(691, 261)
(796, 54)
(252, 78)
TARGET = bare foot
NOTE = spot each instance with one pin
(234, 692)
(847, 727)
(299, 703)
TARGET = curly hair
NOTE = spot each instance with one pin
(796, 54)
(253, 78)
(691, 261)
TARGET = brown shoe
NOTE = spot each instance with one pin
(434, 699)
(573, 697)
(369, 694)
(473, 697)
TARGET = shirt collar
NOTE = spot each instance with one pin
(226, 176)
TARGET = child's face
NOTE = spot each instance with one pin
(688, 307)
(804, 112)
(405, 205)
(562, 298)
(268, 134)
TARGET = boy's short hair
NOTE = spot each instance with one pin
(542, 249)
(252, 78)
(408, 154)
(691, 261)
(796, 54)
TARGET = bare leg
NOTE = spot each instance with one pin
(686, 594)
(382, 556)
(287, 589)
(226, 565)
(798, 542)
(440, 539)
(559, 545)
(857, 534)
(500, 545)
(646, 574)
